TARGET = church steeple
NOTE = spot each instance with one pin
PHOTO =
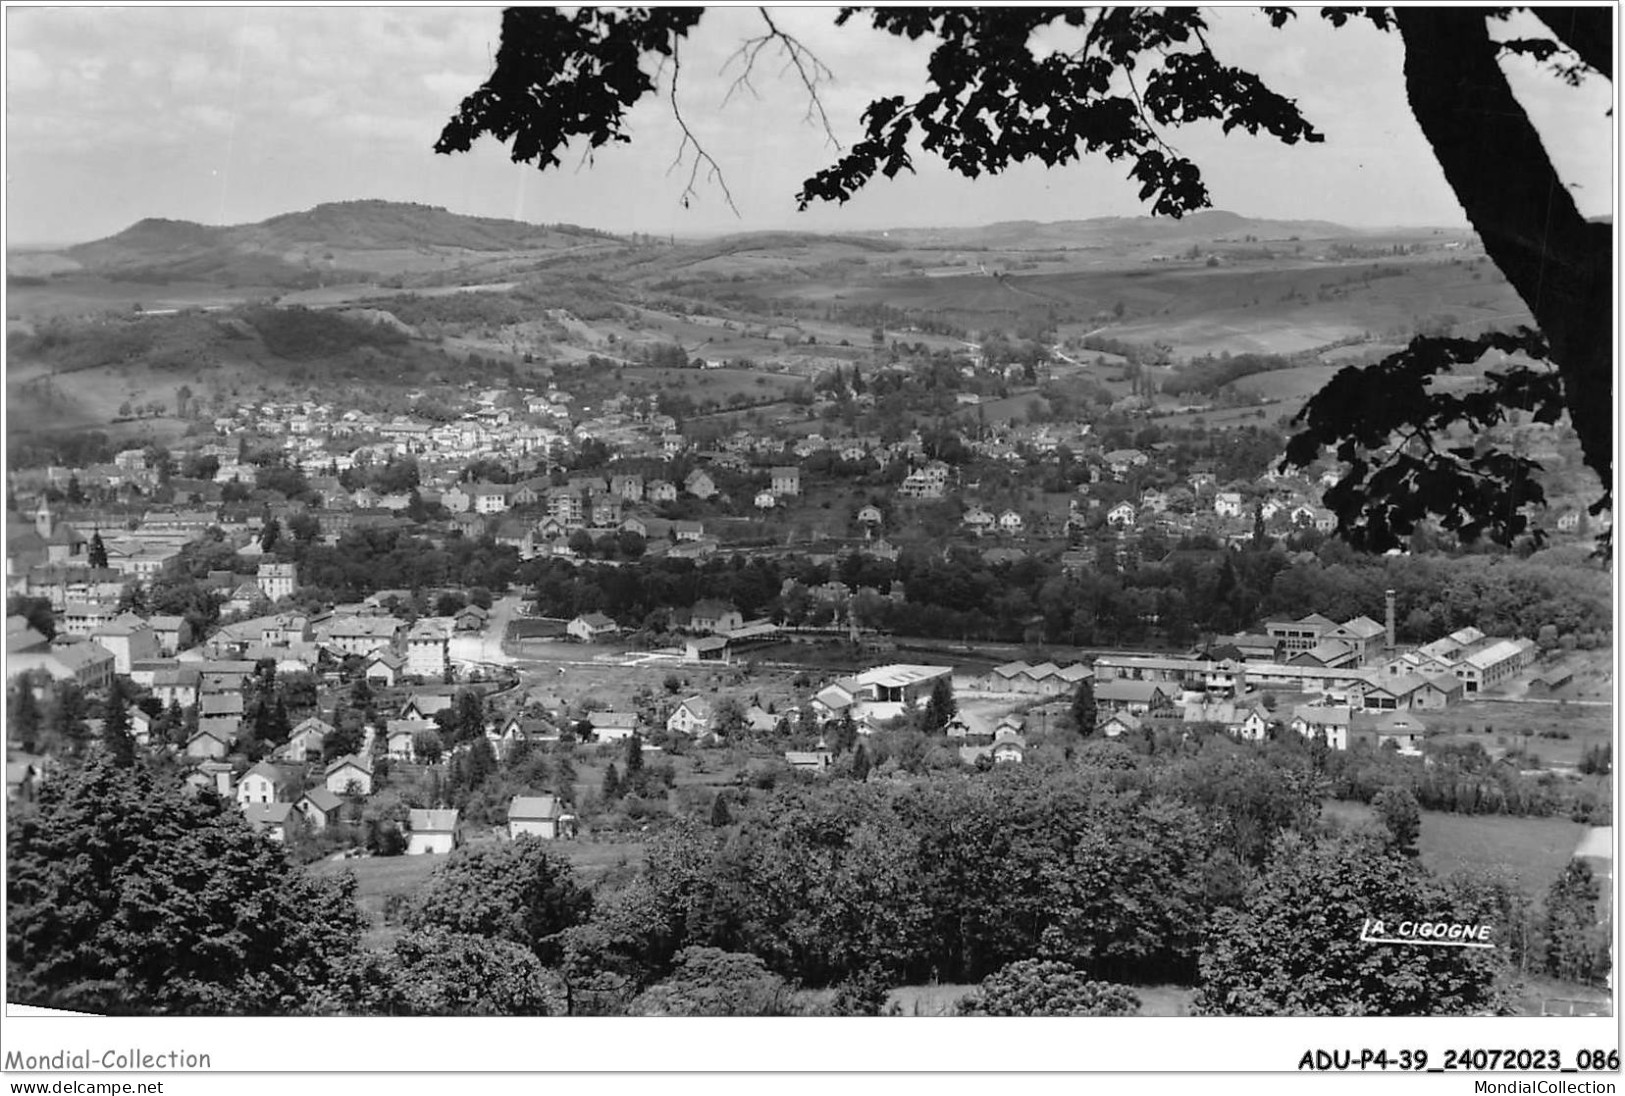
(44, 522)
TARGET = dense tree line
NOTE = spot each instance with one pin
(1118, 874)
(1058, 885)
(303, 334)
(365, 561)
(69, 448)
(72, 344)
(1173, 599)
(1461, 779)
(459, 309)
(1209, 374)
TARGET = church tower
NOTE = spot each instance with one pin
(44, 523)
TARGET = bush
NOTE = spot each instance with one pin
(519, 891)
(1598, 759)
(864, 994)
(1041, 987)
(713, 982)
(434, 973)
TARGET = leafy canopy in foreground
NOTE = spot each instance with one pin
(127, 896)
(1294, 947)
(519, 891)
(434, 973)
(990, 100)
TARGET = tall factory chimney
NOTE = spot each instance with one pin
(1389, 596)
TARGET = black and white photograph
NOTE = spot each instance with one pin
(805, 519)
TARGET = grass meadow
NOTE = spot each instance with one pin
(1533, 851)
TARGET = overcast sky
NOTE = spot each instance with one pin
(231, 115)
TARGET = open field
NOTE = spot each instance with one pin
(1294, 386)
(574, 671)
(937, 1000)
(80, 296)
(1010, 409)
(1230, 418)
(1593, 675)
(1499, 725)
(1534, 851)
(1287, 385)
(1542, 996)
(1281, 305)
(99, 391)
(700, 385)
(1361, 352)
(349, 293)
(1537, 996)
(380, 878)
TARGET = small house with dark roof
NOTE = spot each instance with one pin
(221, 712)
(347, 775)
(306, 739)
(1117, 724)
(267, 783)
(1009, 746)
(699, 484)
(426, 705)
(540, 816)
(1329, 654)
(706, 649)
(386, 667)
(592, 627)
(815, 761)
(714, 616)
(1327, 723)
(433, 831)
(1402, 731)
(612, 726)
(1134, 697)
(400, 737)
(785, 480)
(320, 807)
(518, 732)
(208, 743)
(692, 716)
(471, 618)
(278, 821)
(837, 698)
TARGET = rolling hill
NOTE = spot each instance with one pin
(355, 240)
(1121, 232)
(1211, 283)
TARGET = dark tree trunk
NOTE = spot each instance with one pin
(1557, 261)
(1589, 32)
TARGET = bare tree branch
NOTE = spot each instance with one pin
(689, 140)
(811, 71)
(1146, 120)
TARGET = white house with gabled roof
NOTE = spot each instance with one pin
(692, 716)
